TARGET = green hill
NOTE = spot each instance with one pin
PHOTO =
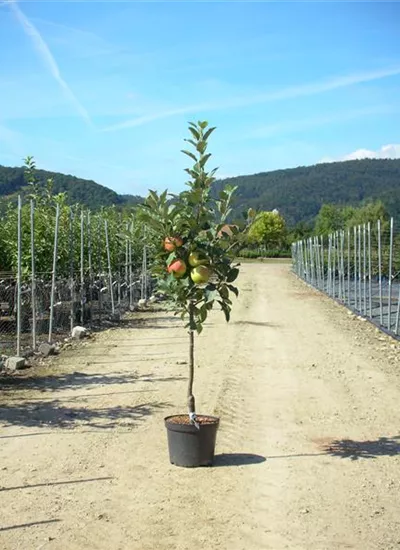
(86, 192)
(298, 193)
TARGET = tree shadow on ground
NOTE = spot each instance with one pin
(55, 483)
(257, 324)
(56, 414)
(167, 321)
(237, 459)
(31, 524)
(348, 448)
(75, 380)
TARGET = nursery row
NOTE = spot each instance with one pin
(359, 267)
(61, 266)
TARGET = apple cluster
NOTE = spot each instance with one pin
(200, 271)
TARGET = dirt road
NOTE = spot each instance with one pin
(308, 449)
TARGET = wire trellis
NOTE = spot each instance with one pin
(38, 307)
(359, 267)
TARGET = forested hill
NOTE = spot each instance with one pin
(87, 192)
(299, 193)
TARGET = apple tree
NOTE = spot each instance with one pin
(194, 264)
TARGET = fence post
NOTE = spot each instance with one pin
(317, 261)
(329, 265)
(109, 268)
(90, 267)
(53, 278)
(380, 272)
(348, 268)
(322, 263)
(397, 312)
(369, 271)
(143, 293)
(119, 263)
(19, 274)
(33, 276)
(334, 258)
(71, 268)
(100, 266)
(82, 268)
(389, 323)
(359, 271)
(342, 266)
(355, 267)
(365, 269)
(130, 271)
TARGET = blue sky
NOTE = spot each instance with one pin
(104, 90)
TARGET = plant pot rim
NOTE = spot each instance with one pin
(209, 416)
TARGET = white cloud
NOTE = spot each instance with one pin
(291, 92)
(390, 151)
(48, 59)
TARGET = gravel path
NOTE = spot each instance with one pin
(308, 452)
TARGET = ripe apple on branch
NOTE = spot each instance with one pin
(194, 265)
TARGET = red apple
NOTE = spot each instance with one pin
(170, 243)
(200, 274)
(177, 268)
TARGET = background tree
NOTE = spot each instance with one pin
(268, 230)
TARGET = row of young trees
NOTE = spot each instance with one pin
(80, 233)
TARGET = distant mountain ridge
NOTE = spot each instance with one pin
(87, 192)
(298, 193)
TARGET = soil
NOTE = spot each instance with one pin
(185, 420)
(308, 449)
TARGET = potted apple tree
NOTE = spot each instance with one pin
(194, 270)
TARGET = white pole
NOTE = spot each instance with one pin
(365, 268)
(389, 324)
(19, 275)
(369, 271)
(348, 267)
(82, 268)
(53, 278)
(33, 281)
(380, 272)
(110, 281)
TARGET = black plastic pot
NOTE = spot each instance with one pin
(189, 446)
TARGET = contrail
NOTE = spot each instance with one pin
(291, 92)
(48, 59)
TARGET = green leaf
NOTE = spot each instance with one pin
(208, 133)
(224, 292)
(226, 309)
(203, 313)
(234, 290)
(232, 275)
(195, 132)
(189, 154)
(204, 159)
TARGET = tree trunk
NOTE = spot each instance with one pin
(191, 401)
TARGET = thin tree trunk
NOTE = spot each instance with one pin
(191, 401)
